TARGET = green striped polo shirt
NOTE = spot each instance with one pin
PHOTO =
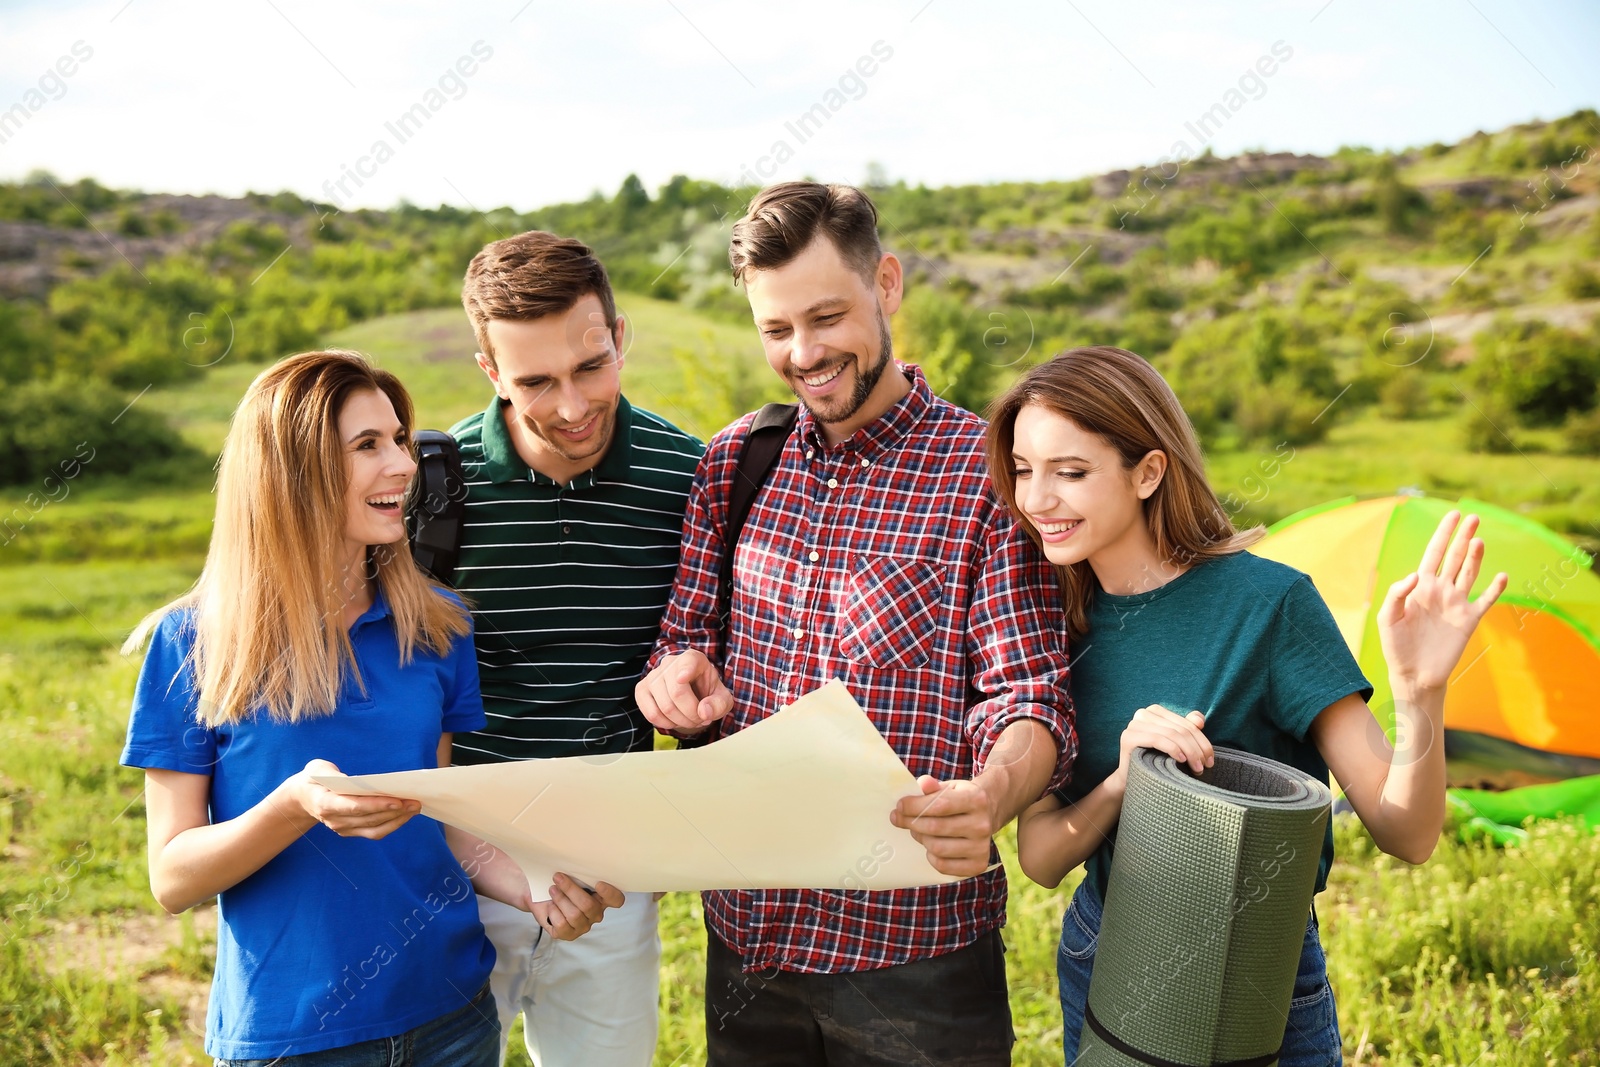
(568, 584)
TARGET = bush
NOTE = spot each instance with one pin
(1404, 396)
(1578, 282)
(1539, 372)
(1394, 202)
(1266, 372)
(1486, 427)
(53, 431)
(1467, 233)
(132, 223)
(1583, 433)
(24, 345)
(963, 349)
(1277, 414)
(715, 387)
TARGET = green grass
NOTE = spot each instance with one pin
(1373, 456)
(70, 611)
(432, 353)
(1480, 951)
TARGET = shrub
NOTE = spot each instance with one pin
(1578, 282)
(1268, 414)
(1394, 202)
(1404, 396)
(24, 344)
(131, 223)
(67, 426)
(1486, 427)
(961, 348)
(1538, 371)
(1265, 373)
(1583, 433)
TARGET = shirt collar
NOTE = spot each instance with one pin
(378, 610)
(502, 464)
(882, 434)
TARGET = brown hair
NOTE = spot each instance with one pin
(783, 220)
(268, 606)
(1119, 397)
(529, 276)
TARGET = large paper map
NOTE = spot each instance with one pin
(800, 800)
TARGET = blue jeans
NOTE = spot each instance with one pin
(1310, 1040)
(467, 1037)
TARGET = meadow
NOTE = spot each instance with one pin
(1365, 323)
(1482, 955)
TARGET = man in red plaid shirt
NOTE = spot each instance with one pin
(877, 553)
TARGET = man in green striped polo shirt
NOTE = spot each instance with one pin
(574, 511)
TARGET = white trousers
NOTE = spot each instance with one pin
(586, 1003)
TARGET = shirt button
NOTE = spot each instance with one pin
(815, 556)
(866, 463)
(811, 453)
(833, 483)
(565, 528)
(799, 633)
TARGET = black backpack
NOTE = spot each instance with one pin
(437, 502)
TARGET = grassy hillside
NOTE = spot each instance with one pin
(668, 347)
(1424, 318)
(432, 353)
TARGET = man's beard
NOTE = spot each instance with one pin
(866, 381)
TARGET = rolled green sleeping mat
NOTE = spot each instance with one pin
(1205, 913)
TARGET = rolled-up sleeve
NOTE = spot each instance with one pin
(1017, 644)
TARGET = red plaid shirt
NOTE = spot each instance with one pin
(886, 561)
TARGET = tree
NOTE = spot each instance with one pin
(632, 199)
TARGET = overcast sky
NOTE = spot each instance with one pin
(530, 103)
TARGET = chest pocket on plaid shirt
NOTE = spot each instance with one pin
(888, 610)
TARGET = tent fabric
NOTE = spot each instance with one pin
(1500, 815)
(1530, 676)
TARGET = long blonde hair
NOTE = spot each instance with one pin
(1121, 398)
(268, 606)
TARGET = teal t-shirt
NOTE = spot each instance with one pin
(1246, 640)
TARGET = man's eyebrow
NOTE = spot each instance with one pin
(813, 309)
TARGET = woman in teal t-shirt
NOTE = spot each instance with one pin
(1182, 638)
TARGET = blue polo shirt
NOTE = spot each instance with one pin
(335, 940)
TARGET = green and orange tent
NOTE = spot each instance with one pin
(1524, 704)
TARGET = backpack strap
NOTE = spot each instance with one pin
(758, 454)
(436, 505)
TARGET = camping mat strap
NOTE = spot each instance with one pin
(1156, 1061)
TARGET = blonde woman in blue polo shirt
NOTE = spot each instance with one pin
(348, 932)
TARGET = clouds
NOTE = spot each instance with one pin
(184, 96)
